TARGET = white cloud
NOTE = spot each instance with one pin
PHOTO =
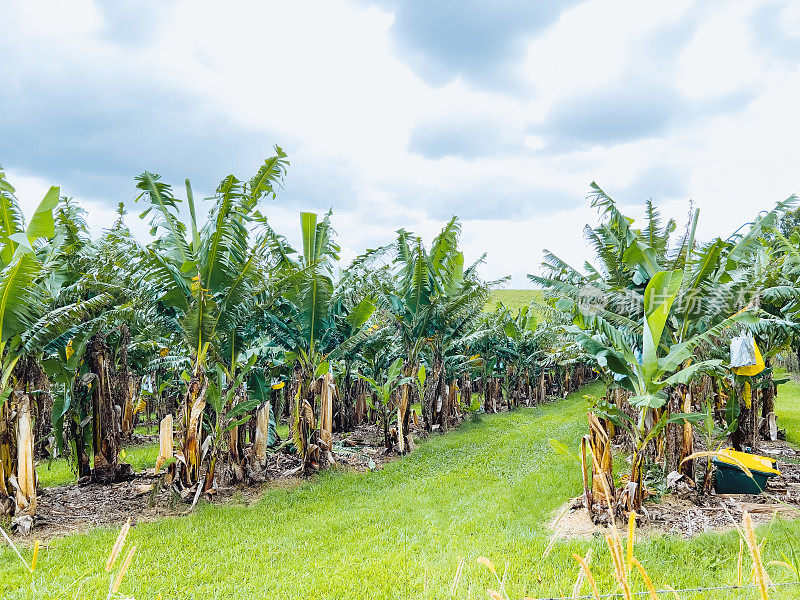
(29, 191)
(327, 81)
(719, 59)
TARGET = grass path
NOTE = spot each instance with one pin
(788, 408)
(487, 489)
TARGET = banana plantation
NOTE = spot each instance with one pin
(222, 331)
(242, 349)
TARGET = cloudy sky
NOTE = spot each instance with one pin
(403, 113)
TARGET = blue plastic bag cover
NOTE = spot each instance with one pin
(743, 351)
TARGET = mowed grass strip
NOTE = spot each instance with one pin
(487, 489)
(513, 299)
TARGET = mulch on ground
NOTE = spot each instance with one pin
(685, 512)
(73, 508)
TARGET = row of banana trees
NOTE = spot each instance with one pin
(656, 310)
(222, 325)
(219, 325)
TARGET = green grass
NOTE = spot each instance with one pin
(146, 429)
(787, 407)
(59, 472)
(512, 299)
(487, 489)
(284, 431)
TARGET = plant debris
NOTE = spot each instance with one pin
(143, 497)
(683, 511)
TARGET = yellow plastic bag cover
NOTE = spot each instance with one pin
(754, 462)
(752, 369)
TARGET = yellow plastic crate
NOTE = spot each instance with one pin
(754, 462)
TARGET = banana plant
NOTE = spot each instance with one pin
(713, 438)
(660, 365)
(227, 413)
(383, 391)
(428, 295)
(717, 279)
(70, 417)
(23, 319)
(79, 301)
(206, 282)
(315, 322)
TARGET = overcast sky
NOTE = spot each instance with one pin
(400, 114)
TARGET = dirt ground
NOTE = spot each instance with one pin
(75, 508)
(684, 512)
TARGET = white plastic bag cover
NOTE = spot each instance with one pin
(743, 351)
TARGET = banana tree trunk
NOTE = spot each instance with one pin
(361, 403)
(770, 424)
(678, 438)
(404, 413)
(452, 404)
(526, 387)
(402, 409)
(126, 425)
(768, 398)
(215, 447)
(442, 403)
(636, 478)
(387, 440)
(673, 432)
(509, 377)
(105, 420)
(234, 447)
(432, 396)
(41, 410)
(327, 394)
(260, 441)
(542, 388)
(81, 450)
(26, 477)
(165, 442)
(746, 436)
(488, 388)
(17, 475)
(344, 404)
(194, 405)
(123, 384)
(687, 448)
(7, 458)
(601, 462)
(305, 426)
